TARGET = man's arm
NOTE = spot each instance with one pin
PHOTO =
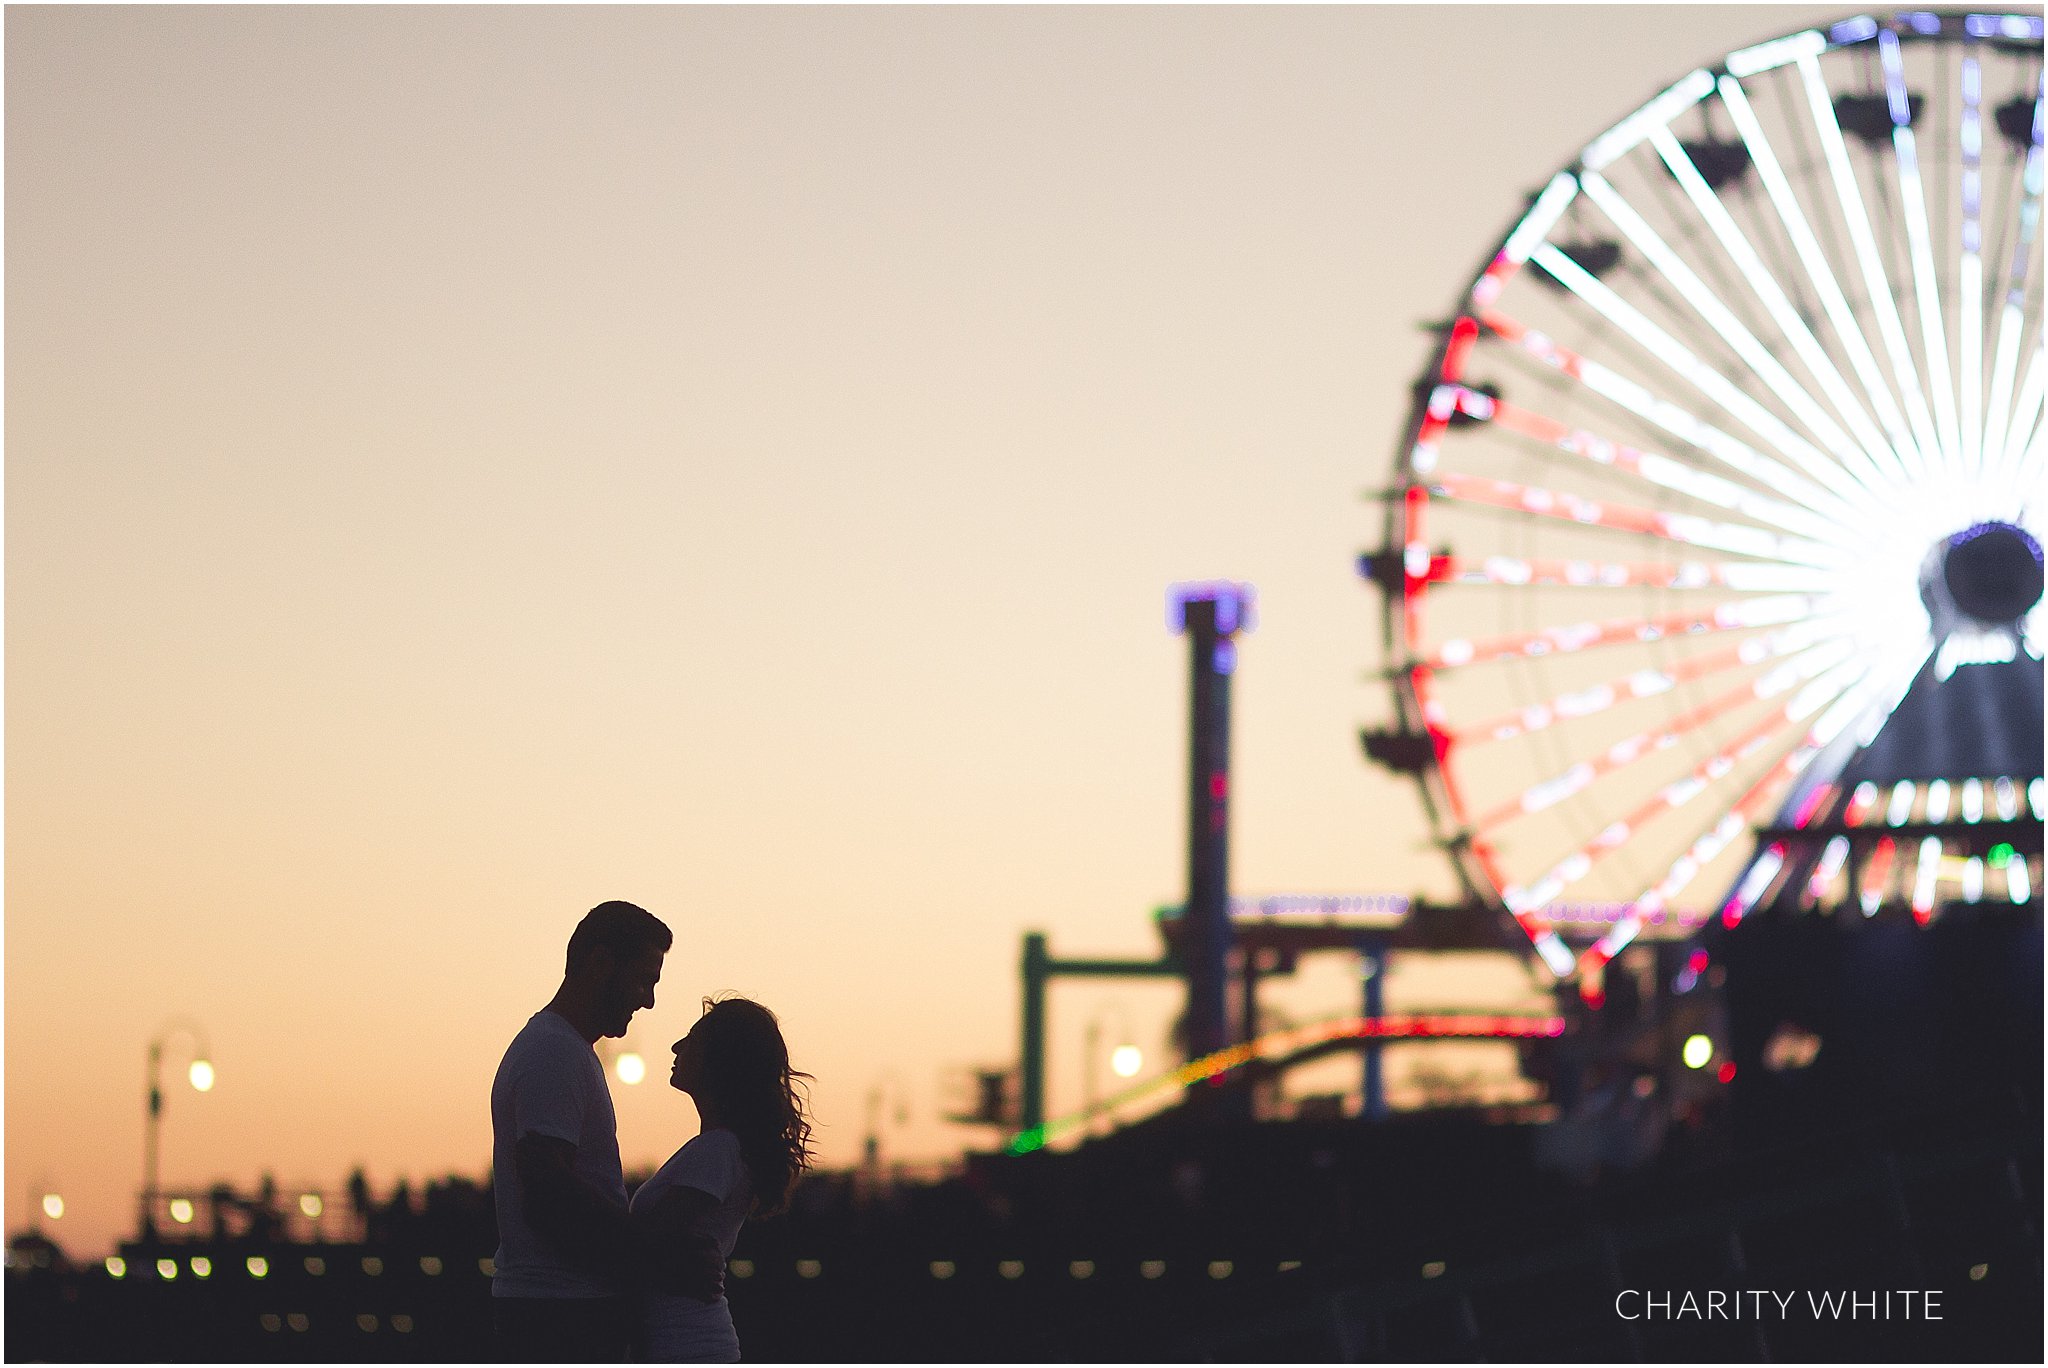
(569, 1211)
(676, 1257)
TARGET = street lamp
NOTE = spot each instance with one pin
(199, 1074)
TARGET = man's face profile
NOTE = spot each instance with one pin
(630, 988)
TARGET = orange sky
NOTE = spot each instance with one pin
(464, 464)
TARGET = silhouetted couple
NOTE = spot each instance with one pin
(583, 1275)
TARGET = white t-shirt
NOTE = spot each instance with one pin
(677, 1329)
(549, 1083)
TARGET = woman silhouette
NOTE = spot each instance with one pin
(753, 1141)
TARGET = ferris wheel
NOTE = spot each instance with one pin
(1735, 439)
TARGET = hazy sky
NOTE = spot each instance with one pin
(464, 464)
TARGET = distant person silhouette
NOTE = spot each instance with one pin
(753, 1141)
(567, 1257)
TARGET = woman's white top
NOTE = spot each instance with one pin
(677, 1329)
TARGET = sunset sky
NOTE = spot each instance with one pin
(465, 464)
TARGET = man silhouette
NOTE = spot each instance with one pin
(566, 1256)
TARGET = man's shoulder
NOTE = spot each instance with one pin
(545, 1041)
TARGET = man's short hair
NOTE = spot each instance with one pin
(625, 929)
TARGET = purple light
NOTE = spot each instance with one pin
(1853, 30)
(1920, 21)
(1976, 530)
(1235, 605)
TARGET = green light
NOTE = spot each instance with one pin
(2001, 855)
(1026, 1141)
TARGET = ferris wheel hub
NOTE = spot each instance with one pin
(1989, 573)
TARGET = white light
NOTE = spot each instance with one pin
(1817, 267)
(1901, 805)
(1720, 390)
(1766, 287)
(2017, 886)
(181, 1211)
(1973, 800)
(201, 1074)
(1926, 873)
(1926, 291)
(311, 1205)
(1717, 315)
(53, 1206)
(1973, 880)
(1542, 216)
(1126, 1060)
(1699, 1052)
(1662, 110)
(1889, 328)
(2007, 797)
(630, 1067)
(1937, 801)
(1776, 53)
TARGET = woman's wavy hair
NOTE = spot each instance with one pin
(762, 1099)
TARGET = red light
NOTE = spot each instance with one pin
(1726, 1073)
(1219, 785)
(1812, 804)
(1463, 334)
(1697, 961)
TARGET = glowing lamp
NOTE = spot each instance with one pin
(1698, 1052)
(1126, 1060)
(53, 1206)
(311, 1204)
(181, 1210)
(630, 1067)
(201, 1074)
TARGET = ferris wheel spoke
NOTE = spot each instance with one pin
(1875, 451)
(1647, 683)
(1927, 289)
(1514, 572)
(1735, 615)
(1684, 529)
(1970, 282)
(1652, 467)
(1662, 413)
(1848, 497)
(1877, 693)
(2008, 426)
(1890, 329)
(1707, 304)
(2024, 414)
(1651, 741)
(1848, 331)
(1577, 865)
(2005, 360)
